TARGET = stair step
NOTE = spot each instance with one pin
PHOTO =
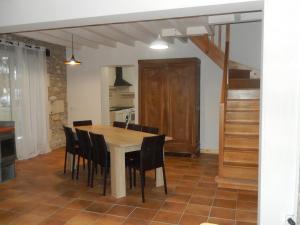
(240, 184)
(242, 115)
(242, 133)
(243, 94)
(242, 122)
(241, 149)
(239, 74)
(252, 129)
(241, 141)
(241, 158)
(243, 83)
(240, 172)
(243, 104)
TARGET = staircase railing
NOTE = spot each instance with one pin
(223, 101)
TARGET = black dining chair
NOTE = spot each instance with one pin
(119, 124)
(151, 157)
(100, 156)
(71, 148)
(136, 127)
(82, 123)
(85, 149)
(151, 130)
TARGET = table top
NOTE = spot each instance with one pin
(119, 136)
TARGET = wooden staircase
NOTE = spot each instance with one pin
(238, 167)
(239, 117)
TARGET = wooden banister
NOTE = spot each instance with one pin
(223, 99)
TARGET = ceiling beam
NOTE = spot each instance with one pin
(155, 27)
(133, 32)
(92, 36)
(111, 33)
(50, 39)
(63, 35)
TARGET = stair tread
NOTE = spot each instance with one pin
(234, 148)
(242, 109)
(242, 121)
(242, 184)
(240, 164)
(242, 133)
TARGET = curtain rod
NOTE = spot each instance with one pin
(21, 44)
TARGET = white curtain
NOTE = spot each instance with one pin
(28, 99)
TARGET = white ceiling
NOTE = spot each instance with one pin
(146, 32)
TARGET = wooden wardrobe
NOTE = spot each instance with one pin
(169, 98)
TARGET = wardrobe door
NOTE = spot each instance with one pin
(181, 106)
(152, 100)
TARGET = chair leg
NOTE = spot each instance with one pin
(65, 166)
(96, 168)
(73, 165)
(89, 172)
(83, 163)
(78, 163)
(130, 176)
(92, 175)
(165, 181)
(104, 179)
(134, 177)
(142, 174)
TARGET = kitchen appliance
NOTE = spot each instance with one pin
(125, 115)
(119, 82)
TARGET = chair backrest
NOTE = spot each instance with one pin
(152, 152)
(100, 152)
(119, 124)
(82, 123)
(151, 130)
(132, 126)
(70, 139)
(84, 141)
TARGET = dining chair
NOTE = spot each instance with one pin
(119, 124)
(71, 148)
(151, 157)
(85, 149)
(136, 127)
(100, 156)
(151, 130)
(82, 123)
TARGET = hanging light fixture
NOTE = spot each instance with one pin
(159, 43)
(72, 60)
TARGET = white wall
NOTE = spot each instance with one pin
(280, 115)
(87, 79)
(19, 15)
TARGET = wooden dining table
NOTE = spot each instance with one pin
(120, 141)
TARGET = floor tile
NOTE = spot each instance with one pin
(99, 207)
(200, 210)
(225, 203)
(79, 204)
(119, 210)
(222, 213)
(246, 216)
(110, 220)
(167, 217)
(173, 207)
(144, 214)
(192, 219)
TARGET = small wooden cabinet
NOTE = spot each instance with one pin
(169, 98)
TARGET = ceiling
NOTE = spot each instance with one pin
(147, 31)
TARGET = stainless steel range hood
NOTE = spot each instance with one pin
(120, 82)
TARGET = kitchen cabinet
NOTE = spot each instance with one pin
(169, 98)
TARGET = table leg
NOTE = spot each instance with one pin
(159, 177)
(118, 176)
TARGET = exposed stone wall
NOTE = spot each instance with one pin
(57, 90)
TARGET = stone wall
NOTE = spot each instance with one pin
(57, 90)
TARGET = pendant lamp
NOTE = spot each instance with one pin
(72, 60)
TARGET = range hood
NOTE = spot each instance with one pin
(119, 78)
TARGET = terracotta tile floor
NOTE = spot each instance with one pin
(41, 194)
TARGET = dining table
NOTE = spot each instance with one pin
(119, 141)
